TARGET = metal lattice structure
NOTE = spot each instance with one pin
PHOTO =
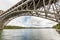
(49, 9)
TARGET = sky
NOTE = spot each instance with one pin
(32, 21)
(24, 21)
(6, 4)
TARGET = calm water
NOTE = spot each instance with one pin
(29, 34)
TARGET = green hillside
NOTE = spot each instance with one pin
(13, 27)
(19, 27)
(57, 26)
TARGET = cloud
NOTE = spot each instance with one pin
(16, 22)
(6, 4)
(32, 21)
(20, 21)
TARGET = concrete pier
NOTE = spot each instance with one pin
(1, 25)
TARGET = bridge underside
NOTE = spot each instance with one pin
(48, 9)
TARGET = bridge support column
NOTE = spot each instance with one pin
(1, 25)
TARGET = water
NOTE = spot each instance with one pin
(29, 34)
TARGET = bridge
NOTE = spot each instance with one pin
(48, 9)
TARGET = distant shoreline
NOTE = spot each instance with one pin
(20, 27)
(17, 27)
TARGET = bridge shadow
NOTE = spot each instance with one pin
(1, 34)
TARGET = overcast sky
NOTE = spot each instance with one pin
(6, 4)
(24, 21)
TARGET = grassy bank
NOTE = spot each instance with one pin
(57, 26)
(13, 27)
(18, 27)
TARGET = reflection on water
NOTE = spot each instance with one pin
(29, 34)
(0, 34)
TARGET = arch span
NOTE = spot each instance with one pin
(32, 8)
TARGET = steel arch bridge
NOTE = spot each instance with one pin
(49, 9)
